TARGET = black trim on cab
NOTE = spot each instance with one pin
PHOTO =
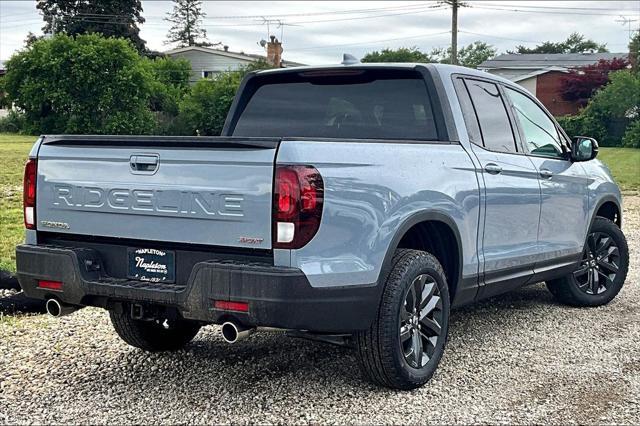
(162, 141)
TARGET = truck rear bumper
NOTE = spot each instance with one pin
(277, 296)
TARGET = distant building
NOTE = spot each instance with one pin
(4, 111)
(206, 62)
(541, 74)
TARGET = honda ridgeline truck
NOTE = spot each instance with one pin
(354, 204)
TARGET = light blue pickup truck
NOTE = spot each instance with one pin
(354, 204)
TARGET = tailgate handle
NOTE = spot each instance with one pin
(144, 164)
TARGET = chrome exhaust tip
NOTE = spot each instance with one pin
(57, 309)
(232, 332)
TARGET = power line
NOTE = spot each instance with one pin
(367, 42)
(335, 12)
(548, 12)
(113, 19)
(607, 9)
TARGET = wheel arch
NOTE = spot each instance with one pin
(416, 232)
(608, 207)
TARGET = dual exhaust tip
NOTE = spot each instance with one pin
(231, 331)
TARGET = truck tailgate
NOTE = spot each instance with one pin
(213, 191)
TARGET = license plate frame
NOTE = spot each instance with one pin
(151, 265)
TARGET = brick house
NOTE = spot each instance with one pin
(541, 74)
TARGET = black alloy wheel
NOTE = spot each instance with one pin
(600, 264)
(420, 321)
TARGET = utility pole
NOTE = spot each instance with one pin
(454, 32)
(455, 4)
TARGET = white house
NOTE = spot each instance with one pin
(206, 62)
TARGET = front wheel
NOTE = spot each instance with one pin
(602, 271)
(405, 343)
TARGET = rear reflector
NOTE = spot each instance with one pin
(50, 285)
(225, 305)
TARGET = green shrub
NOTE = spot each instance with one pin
(14, 122)
(169, 85)
(611, 113)
(204, 110)
(583, 125)
(631, 137)
(86, 84)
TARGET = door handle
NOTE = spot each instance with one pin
(492, 168)
(144, 164)
(546, 173)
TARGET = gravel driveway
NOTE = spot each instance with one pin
(517, 358)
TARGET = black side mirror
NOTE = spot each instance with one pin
(583, 148)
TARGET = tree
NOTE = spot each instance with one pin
(469, 56)
(634, 51)
(575, 43)
(186, 18)
(581, 83)
(82, 84)
(402, 54)
(111, 18)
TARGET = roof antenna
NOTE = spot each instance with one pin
(349, 59)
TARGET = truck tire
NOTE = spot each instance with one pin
(602, 271)
(152, 336)
(405, 343)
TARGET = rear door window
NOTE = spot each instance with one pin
(368, 105)
(490, 108)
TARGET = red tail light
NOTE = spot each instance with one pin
(29, 193)
(297, 206)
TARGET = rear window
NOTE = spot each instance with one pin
(369, 105)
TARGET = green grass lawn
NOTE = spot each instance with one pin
(14, 150)
(625, 166)
(623, 162)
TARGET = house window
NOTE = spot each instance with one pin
(209, 74)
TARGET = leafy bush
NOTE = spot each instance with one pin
(631, 137)
(609, 114)
(581, 83)
(14, 122)
(86, 84)
(204, 110)
(170, 83)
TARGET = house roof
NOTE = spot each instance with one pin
(236, 55)
(545, 60)
(539, 72)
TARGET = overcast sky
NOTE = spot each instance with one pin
(319, 32)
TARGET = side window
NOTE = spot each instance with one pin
(491, 111)
(469, 115)
(538, 129)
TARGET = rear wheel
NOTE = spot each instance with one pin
(153, 335)
(602, 271)
(404, 345)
